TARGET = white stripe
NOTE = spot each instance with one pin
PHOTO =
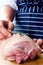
(36, 30)
(35, 26)
(37, 34)
(35, 22)
(33, 8)
(26, 9)
(32, 21)
(30, 13)
(21, 4)
(29, 9)
(31, 17)
(22, 25)
(29, 25)
(30, 30)
(22, 9)
(22, 29)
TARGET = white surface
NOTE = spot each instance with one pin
(11, 3)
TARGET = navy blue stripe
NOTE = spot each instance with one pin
(37, 37)
(23, 31)
(29, 19)
(22, 23)
(23, 27)
(36, 28)
(36, 32)
(37, 24)
(30, 27)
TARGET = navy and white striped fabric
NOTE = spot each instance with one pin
(29, 18)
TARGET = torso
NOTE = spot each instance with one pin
(29, 18)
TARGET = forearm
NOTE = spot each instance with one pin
(7, 13)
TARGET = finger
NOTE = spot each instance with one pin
(4, 31)
(2, 36)
(39, 42)
(4, 23)
(42, 46)
(35, 40)
(1, 23)
(10, 26)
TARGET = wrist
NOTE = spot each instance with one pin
(7, 13)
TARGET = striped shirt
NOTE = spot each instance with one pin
(29, 18)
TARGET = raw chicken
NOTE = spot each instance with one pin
(20, 48)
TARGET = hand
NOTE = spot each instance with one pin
(39, 42)
(5, 29)
(7, 24)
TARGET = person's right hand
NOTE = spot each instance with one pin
(5, 29)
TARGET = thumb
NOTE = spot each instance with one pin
(39, 42)
(10, 26)
(35, 40)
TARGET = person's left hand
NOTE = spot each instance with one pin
(39, 42)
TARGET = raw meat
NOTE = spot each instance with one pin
(20, 48)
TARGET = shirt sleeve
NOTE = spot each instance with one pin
(11, 3)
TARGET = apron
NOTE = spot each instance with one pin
(29, 18)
